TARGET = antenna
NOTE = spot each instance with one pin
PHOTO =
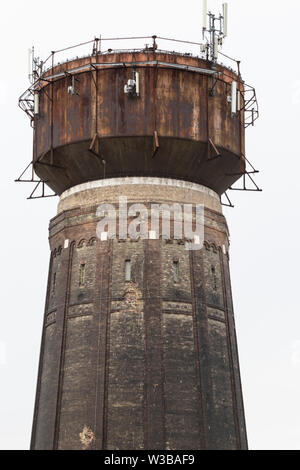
(216, 50)
(204, 14)
(225, 19)
(36, 103)
(216, 31)
(239, 100)
(30, 63)
(137, 83)
(233, 97)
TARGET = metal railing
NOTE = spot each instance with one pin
(98, 46)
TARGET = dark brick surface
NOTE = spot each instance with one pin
(149, 363)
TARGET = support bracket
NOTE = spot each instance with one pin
(155, 144)
(228, 202)
(211, 92)
(33, 180)
(95, 148)
(254, 188)
(43, 191)
(218, 154)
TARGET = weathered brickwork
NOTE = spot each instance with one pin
(126, 373)
(76, 396)
(140, 355)
(213, 277)
(181, 394)
(47, 396)
(180, 291)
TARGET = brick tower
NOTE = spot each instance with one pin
(139, 345)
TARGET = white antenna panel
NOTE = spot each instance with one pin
(204, 13)
(36, 103)
(233, 97)
(238, 100)
(216, 51)
(137, 83)
(29, 61)
(225, 19)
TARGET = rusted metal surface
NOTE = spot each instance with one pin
(175, 106)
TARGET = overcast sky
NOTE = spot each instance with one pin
(265, 227)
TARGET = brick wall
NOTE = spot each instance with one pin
(147, 363)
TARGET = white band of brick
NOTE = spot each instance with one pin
(139, 181)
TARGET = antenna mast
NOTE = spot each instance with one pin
(35, 66)
(216, 31)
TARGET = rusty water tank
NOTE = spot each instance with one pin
(180, 126)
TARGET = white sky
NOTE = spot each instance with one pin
(264, 226)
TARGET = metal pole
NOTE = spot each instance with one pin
(52, 113)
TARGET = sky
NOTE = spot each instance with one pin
(264, 227)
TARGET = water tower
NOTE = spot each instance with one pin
(139, 346)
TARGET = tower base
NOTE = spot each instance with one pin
(139, 346)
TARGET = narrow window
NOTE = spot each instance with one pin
(81, 275)
(176, 271)
(127, 270)
(54, 283)
(214, 277)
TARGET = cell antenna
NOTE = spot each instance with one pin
(30, 63)
(204, 14)
(233, 97)
(225, 19)
(216, 30)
